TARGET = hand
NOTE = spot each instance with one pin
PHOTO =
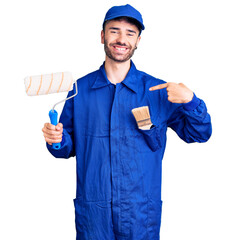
(52, 134)
(177, 92)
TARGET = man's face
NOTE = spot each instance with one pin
(120, 40)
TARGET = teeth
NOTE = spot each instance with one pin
(120, 49)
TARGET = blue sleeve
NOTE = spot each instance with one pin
(67, 144)
(191, 121)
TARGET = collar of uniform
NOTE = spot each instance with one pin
(129, 81)
(101, 79)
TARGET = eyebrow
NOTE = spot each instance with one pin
(129, 30)
(132, 31)
(114, 28)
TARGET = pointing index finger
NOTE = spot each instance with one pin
(158, 87)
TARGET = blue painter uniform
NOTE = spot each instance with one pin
(119, 166)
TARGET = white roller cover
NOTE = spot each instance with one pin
(48, 83)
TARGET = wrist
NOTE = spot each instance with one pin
(192, 104)
(189, 98)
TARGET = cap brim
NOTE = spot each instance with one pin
(122, 15)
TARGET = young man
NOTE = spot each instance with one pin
(119, 165)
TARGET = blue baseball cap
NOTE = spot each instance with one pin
(124, 11)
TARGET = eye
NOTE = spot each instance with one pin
(130, 34)
(113, 31)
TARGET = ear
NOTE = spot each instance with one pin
(102, 37)
(138, 40)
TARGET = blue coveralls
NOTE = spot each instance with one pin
(118, 165)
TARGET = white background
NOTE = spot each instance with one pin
(185, 41)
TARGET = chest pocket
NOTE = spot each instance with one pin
(150, 138)
(141, 140)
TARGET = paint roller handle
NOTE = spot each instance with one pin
(53, 118)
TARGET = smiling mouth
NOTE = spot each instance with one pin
(120, 48)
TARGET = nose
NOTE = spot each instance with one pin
(121, 39)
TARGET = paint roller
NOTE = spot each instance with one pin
(51, 83)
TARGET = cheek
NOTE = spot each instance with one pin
(133, 44)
